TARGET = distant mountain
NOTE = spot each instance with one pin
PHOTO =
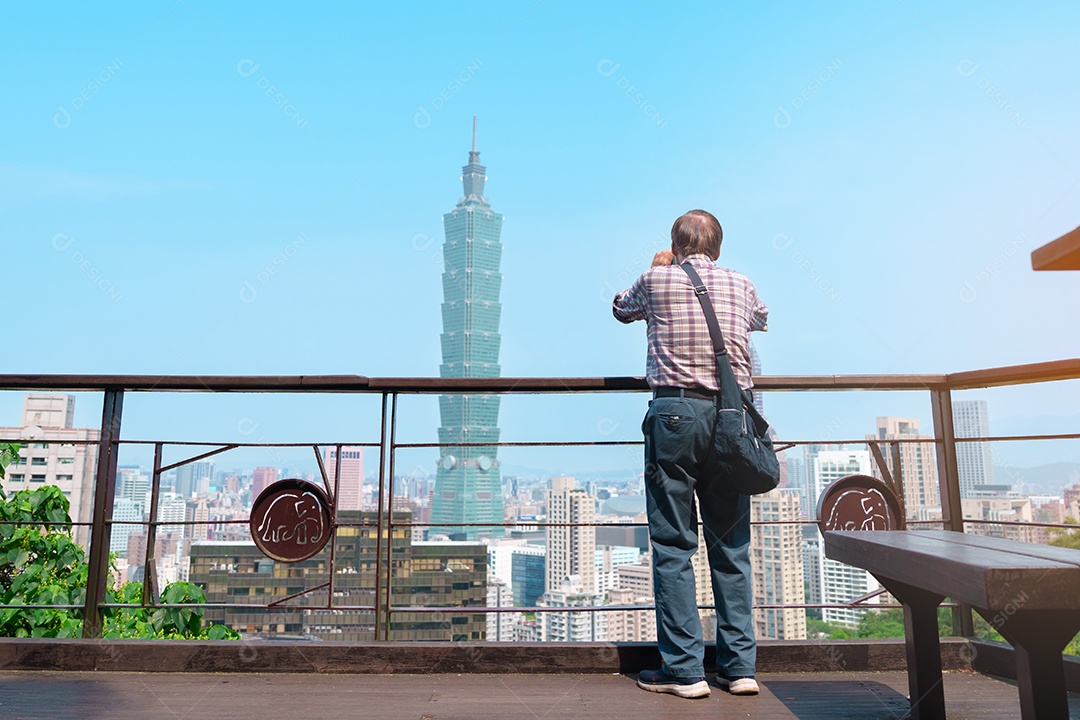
(1034, 453)
(1039, 480)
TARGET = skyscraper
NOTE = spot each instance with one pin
(755, 370)
(132, 483)
(777, 565)
(571, 550)
(974, 464)
(352, 474)
(467, 483)
(189, 475)
(264, 477)
(917, 463)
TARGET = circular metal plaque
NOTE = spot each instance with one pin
(859, 502)
(290, 520)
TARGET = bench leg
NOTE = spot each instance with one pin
(923, 649)
(1038, 639)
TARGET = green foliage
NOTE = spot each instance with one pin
(985, 631)
(41, 565)
(815, 626)
(162, 623)
(8, 453)
(1065, 538)
(881, 624)
(887, 623)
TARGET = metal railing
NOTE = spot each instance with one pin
(940, 388)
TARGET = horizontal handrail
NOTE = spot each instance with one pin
(991, 377)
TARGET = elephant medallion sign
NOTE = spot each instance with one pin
(859, 502)
(290, 520)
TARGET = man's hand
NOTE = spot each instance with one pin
(664, 257)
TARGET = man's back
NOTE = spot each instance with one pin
(680, 351)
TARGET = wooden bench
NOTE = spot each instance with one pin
(1029, 593)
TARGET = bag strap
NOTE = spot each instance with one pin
(702, 292)
(729, 385)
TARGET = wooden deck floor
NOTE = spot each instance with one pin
(198, 696)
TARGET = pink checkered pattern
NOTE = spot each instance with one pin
(680, 351)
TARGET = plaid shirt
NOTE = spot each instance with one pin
(680, 350)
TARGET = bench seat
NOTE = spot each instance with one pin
(1029, 593)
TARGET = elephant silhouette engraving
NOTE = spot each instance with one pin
(292, 517)
(861, 509)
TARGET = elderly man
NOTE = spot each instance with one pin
(678, 427)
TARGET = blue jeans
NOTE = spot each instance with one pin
(679, 475)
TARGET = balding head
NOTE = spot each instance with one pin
(697, 232)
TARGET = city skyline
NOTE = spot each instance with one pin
(203, 537)
(208, 208)
(1009, 466)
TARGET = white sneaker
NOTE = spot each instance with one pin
(742, 686)
(660, 682)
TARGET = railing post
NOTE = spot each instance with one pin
(150, 584)
(101, 531)
(336, 505)
(383, 451)
(388, 498)
(949, 488)
(948, 474)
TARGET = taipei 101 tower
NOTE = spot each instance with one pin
(468, 488)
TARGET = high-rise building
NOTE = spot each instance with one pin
(630, 625)
(55, 453)
(840, 583)
(974, 464)
(428, 574)
(190, 475)
(811, 557)
(571, 549)
(263, 477)
(580, 626)
(796, 481)
(198, 512)
(467, 483)
(1015, 512)
(777, 564)
(755, 370)
(351, 482)
(828, 466)
(638, 577)
(918, 462)
(608, 560)
(126, 518)
(527, 572)
(501, 625)
(132, 483)
(171, 507)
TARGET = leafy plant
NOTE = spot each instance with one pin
(8, 454)
(40, 565)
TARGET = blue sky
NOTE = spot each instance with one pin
(199, 188)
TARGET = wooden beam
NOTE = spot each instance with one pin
(1061, 254)
(1016, 374)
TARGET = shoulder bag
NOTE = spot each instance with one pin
(741, 439)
